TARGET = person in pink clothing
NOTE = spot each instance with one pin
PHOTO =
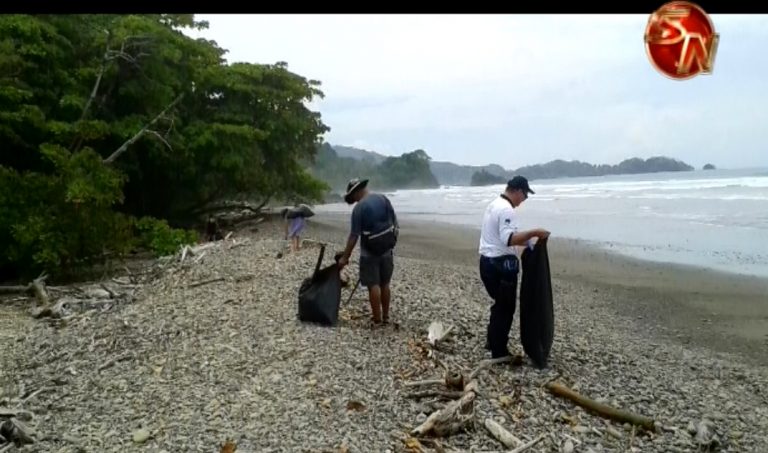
(293, 229)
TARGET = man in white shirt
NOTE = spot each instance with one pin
(499, 265)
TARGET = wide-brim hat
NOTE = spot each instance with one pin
(353, 186)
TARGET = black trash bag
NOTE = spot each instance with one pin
(320, 295)
(537, 318)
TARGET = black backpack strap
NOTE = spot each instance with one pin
(391, 212)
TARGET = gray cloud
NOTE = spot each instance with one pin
(517, 90)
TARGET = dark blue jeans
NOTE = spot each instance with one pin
(499, 277)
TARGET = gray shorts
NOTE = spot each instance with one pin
(376, 270)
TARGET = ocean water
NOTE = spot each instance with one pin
(713, 219)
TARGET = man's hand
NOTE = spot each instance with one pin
(343, 261)
(541, 233)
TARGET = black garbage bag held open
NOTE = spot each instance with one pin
(320, 294)
(537, 318)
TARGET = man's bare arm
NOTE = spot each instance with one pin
(522, 237)
(351, 242)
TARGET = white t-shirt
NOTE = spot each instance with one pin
(499, 223)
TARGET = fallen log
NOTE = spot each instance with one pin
(601, 409)
(454, 417)
(14, 289)
(502, 435)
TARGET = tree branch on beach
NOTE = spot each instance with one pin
(603, 410)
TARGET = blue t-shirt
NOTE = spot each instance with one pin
(372, 214)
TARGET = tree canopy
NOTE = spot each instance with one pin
(110, 122)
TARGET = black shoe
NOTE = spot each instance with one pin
(501, 354)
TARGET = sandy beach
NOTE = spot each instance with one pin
(210, 350)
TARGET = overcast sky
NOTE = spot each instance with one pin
(516, 90)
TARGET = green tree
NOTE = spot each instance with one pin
(109, 121)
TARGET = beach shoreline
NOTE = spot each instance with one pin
(214, 341)
(689, 305)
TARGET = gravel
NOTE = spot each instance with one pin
(188, 368)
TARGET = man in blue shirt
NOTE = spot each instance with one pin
(375, 222)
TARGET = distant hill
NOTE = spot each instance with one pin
(569, 169)
(484, 178)
(408, 171)
(359, 154)
(449, 173)
(708, 167)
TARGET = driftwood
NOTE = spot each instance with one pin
(452, 380)
(528, 445)
(16, 413)
(236, 279)
(430, 393)
(34, 394)
(184, 251)
(437, 333)
(93, 296)
(521, 448)
(486, 363)
(454, 417)
(234, 206)
(705, 436)
(206, 282)
(425, 382)
(57, 311)
(14, 289)
(502, 435)
(601, 409)
(104, 295)
(21, 289)
(35, 288)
